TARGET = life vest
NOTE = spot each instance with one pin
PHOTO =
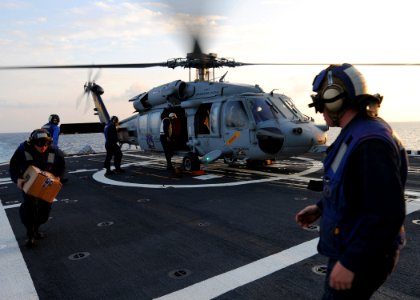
(337, 231)
(48, 161)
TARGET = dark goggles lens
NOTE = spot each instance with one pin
(42, 142)
(317, 103)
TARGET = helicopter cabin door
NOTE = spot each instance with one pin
(207, 128)
(236, 128)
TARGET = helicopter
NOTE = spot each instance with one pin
(215, 119)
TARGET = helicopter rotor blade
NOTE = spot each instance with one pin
(97, 75)
(109, 66)
(379, 64)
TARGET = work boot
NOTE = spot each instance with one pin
(38, 235)
(109, 172)
(119, 170)
(30, 242)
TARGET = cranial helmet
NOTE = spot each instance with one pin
(337, 87)
(172, 116)
(54, 119)
(40, 135)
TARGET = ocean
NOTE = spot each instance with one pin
(409, 133)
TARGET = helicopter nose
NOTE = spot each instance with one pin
(270, 140)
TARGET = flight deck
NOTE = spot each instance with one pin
(227, 232)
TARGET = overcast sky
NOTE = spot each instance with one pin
(92, 32)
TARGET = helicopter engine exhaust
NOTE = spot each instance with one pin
(173, 92)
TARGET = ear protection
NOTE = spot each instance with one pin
(39, 135)
(333, 98)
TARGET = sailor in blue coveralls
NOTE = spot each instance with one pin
(362, 210)
(39, 152)
(112, 147)
(53, 128)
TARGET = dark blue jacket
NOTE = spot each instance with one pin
(110, 131)
(25, 155)
(54, 130)
(363, 205)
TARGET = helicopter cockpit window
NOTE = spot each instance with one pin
(288, 108)
(285, 108)
(235, 115)
(262, 110)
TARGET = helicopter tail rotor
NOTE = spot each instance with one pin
(89, 85)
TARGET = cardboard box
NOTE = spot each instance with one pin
(41, 184)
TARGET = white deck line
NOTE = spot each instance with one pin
(223, 283)
(228, 281)
(15, 280)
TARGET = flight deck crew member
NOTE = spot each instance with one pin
(53, 128)
(112, 147)
(166, 139)
(39, 152)
(362, 210)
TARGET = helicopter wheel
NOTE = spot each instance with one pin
(229, 160)
(191, 162)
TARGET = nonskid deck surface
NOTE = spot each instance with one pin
(147, 233)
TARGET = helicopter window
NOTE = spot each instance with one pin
(292, 106)
(235, 115)
(285, 108)
(203, 119)
(214, 118)
(262, 110)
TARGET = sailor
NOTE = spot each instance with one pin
(166, 139)
(362, 209)
(39, 152)
(112, 147)
(53, 128)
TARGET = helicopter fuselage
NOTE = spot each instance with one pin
(241, 121)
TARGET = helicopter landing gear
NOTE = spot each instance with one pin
(191, 162)
(229, 160)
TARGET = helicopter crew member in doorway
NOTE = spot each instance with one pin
(362, 210)
(39, 152)
(53, 128)
(112, 147)
(166, 139)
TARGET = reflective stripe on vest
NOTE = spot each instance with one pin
(28, 156)
(50, 159)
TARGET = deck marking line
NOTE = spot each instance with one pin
(15, 280)
(223, 283)
(100, 177)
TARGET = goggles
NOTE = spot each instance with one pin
(318, 101)
(42, 142)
